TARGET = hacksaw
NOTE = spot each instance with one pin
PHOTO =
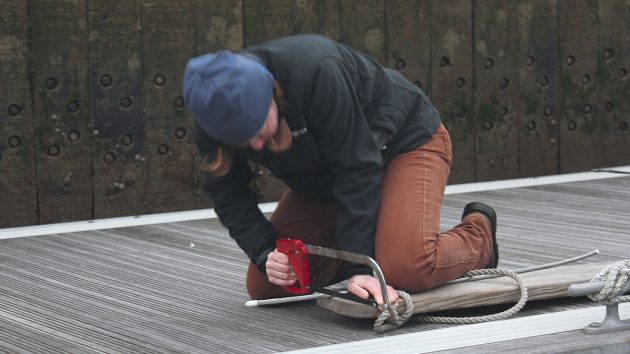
(298, 253)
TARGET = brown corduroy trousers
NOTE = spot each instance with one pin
(409, 247)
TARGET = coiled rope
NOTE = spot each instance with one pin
(614, 277)
(385, 322)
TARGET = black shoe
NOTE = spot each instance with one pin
(478, 207)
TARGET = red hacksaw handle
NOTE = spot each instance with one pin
(298, 256)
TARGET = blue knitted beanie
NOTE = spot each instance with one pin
(229, 95)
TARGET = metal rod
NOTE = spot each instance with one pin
(583, 289)
(528, 269)
(348, 296)
(555, 264)
(284, 300)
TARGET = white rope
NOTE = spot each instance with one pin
(384, 323)
(614, 277)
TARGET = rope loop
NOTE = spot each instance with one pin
(614, 277)
(384, 323)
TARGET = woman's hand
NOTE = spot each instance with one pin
(365, 285)
(279, 270)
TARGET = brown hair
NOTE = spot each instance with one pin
(279, 143)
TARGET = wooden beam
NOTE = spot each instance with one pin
(543, 284)
(119, 146)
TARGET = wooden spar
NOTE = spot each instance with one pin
(542, 284)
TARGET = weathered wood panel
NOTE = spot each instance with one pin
(407, 39)
(538, 82)
(577, 38)
(452, 80)
(613, 86)
(60, 108)
(17, 160)
(168, 41)
(495, 119)
(266, 20)
(567, 88)
(362, 27)
(218, 25)
(115, 67)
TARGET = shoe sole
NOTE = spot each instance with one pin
(488, 211)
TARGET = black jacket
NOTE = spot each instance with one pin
(341, 103)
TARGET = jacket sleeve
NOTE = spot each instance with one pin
(236, 205)
(344, 136)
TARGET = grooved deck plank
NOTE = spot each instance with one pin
(179, 287)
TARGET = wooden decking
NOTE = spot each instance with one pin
(179, 287)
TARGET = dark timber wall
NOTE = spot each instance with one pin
(92, 123)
